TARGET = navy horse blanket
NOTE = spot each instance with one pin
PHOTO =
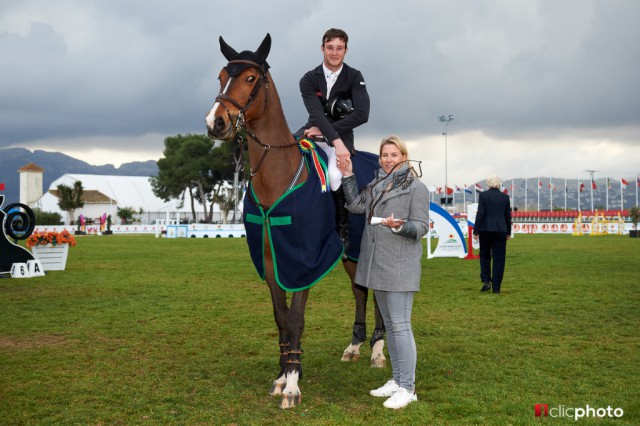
(300, 227)
(365, 165)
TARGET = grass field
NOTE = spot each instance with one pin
(140, 330)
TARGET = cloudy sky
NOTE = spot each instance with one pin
(536, 87)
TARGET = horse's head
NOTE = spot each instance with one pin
(241, 98)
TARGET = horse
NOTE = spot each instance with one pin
(248, 108)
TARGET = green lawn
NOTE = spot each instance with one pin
(140, 330)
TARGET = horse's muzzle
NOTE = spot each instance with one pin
(220, 129)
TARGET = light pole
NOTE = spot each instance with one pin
(446, 120)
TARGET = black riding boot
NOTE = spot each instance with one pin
(342, 219)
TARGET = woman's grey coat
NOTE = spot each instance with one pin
(389, 260)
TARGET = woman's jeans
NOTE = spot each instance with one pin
(395, 307)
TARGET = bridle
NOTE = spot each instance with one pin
(238, 123)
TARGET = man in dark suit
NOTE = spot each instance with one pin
(336, 98)
(493, 227)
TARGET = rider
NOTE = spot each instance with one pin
(337, 101)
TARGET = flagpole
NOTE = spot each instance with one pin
(621, 196)
(592, 183)
(550, 195)
(579, 192)
(565, 194)
(539, 184)
(526, 189)
(607, 195)
(512, 195)
(464, 198)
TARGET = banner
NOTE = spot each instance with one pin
(450, 238)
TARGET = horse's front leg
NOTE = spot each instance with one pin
(280, 310)
(291, 395)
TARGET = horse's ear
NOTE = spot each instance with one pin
(228, 51)
(263, 50)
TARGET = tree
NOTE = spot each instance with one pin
(225, 198)
(47, 218)
(193, 163)
(126, 214)
(70, 198)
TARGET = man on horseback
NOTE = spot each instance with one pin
(335, 96)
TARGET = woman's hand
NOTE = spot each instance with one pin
(392, 222)
(346, 167)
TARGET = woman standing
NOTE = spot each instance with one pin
(397, 207)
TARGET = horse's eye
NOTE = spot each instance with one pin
(251, 79)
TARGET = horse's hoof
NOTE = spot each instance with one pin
(290, 401)
(352, 353)
(378, 362)
(350, 356)
(277, 388)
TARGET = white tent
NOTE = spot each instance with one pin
(123, 191)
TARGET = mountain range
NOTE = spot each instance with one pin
(606, 194)
(56, 164)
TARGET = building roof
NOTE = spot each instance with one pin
(89, 197)
(31, 167)
(126, 191)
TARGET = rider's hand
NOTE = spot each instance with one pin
(313, 132)
(342, 153)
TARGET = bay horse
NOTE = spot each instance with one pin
(248, 108)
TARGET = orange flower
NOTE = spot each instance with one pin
(53, 238)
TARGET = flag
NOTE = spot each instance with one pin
(467, 189)
(582, 187)
(505, 190)
(439, 190)
(552, 187)
(480, 188)
(449, 191)
(539, 184)
(608, 183)
(524, 184)
(624, 183)
(593, 184)
(638, 179)
(1, 186)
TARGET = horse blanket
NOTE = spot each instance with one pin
(365, 165)
(301, 231)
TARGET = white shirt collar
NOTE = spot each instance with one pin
(328, 72)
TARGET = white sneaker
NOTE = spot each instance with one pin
(400, 399)
(387, 389)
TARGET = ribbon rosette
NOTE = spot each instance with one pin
(307, 147)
